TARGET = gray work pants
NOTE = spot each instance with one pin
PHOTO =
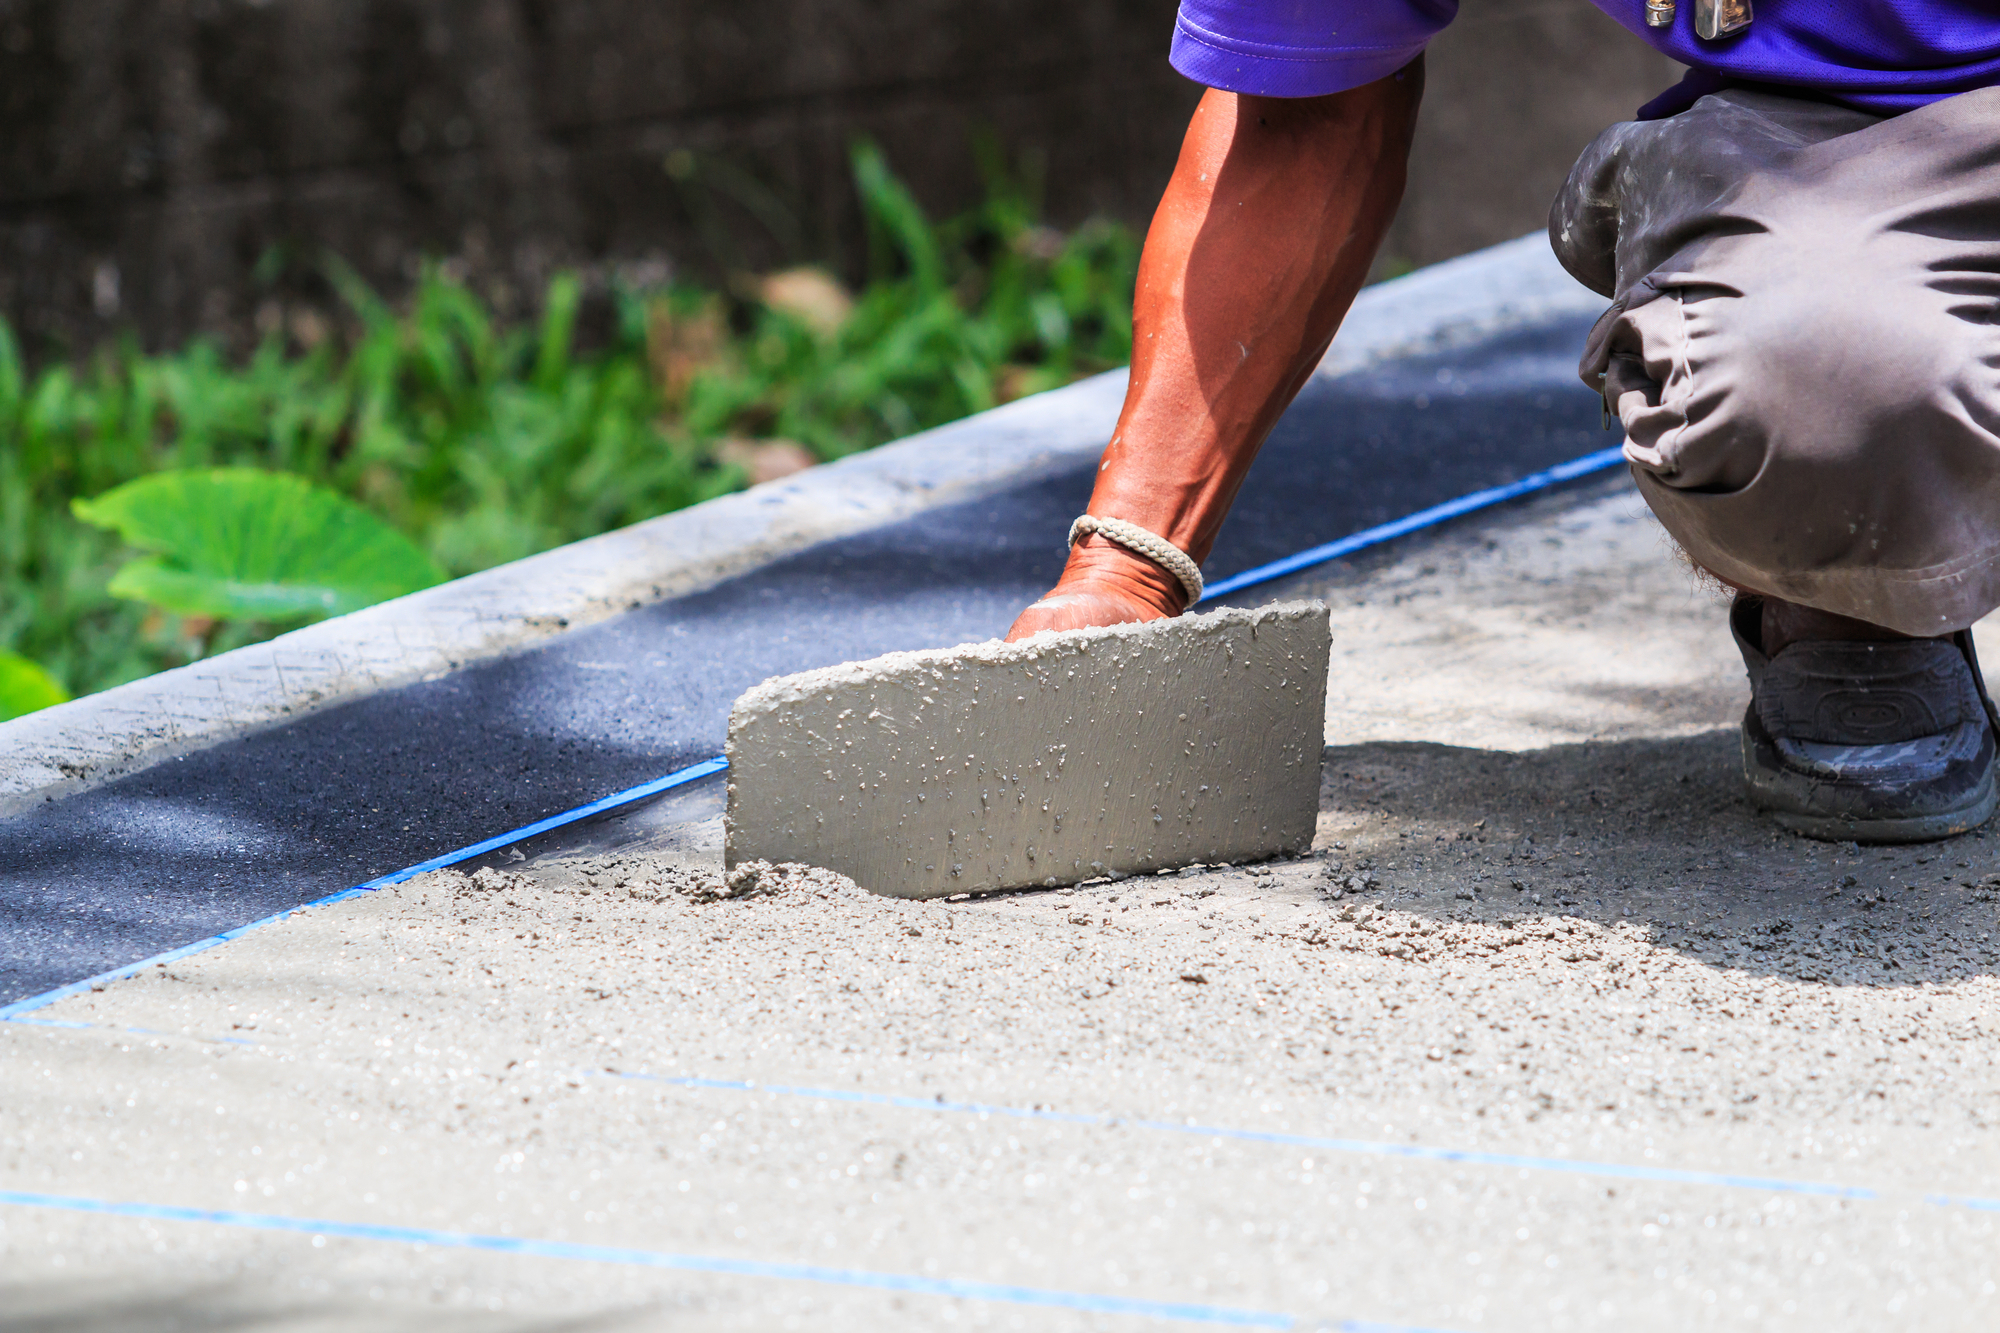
(1804, 343)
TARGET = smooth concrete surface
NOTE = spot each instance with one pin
(1552, 1035)
(1582, 625)
(263, 820)
(1059, 759)
(59, 751)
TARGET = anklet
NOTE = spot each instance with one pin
(1155, 548)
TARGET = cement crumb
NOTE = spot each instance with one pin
(788, 879)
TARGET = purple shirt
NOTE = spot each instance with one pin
(1883, 56)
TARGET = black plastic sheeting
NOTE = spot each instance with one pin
(250, 827)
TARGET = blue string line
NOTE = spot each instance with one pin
(909, 1283)
(14, 1012)
(692, 773)
(1600, 461)
(1423, 518)
(1964, 1201)
(1362, 1147)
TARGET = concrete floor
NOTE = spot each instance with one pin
(1549, 1033)
(1584, 625)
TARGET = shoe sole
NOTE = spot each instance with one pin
(1969, 814)
(1926, 828)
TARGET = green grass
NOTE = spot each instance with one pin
(484, 442)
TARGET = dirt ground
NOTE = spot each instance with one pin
(1550, 1032)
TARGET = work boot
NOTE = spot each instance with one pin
(1866, 741)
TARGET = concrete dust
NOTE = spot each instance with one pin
(1572, 619)
(1508, 940)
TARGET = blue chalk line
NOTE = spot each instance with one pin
(1587, 465)
(1358, 1147)
(17, 1011)
(1576, 469)
(1573, 470)
(908, 1283)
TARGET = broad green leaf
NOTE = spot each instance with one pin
(25, 687)
(240, 544)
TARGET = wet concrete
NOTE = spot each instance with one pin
(1060, 759)
(217, 838)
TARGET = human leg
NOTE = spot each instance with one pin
(1804, 350)
(1804, 353)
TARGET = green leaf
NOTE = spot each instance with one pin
(240, 544)
(890, 206)
(565, 294)
(25, 687)
(11, 377)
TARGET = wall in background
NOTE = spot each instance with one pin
(1514, 90)
(174, 166)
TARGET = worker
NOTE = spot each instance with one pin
(1801, 247)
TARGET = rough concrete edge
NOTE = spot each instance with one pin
(775, 692)
(119, 731)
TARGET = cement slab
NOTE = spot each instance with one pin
(1063, 758)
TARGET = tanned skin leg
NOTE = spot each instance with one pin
(1265, 234)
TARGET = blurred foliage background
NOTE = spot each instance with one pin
(484, 441)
